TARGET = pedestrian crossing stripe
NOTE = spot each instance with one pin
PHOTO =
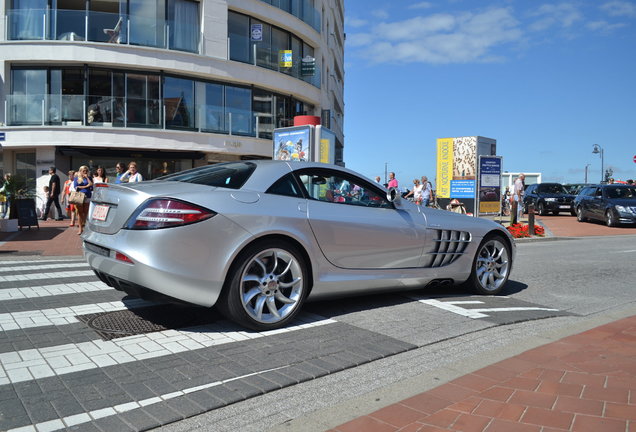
(454, 306)
(55, 275)
(43, 267)
(52, 290)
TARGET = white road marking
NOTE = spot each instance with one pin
(63, 315)
(51, 290)
(26, 365)
(52, 276)
(68, 265)
(77, 419)
(478, 312)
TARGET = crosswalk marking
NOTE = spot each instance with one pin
(44, 267)
(77, 419)
(62, 316)
(53, 276)
(26, 365)
(51, 290)
(476, 313)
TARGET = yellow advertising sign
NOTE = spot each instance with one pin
(445, 155)
(488, 207)
(285, 58)
(324, 150)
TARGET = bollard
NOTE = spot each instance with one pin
(531, 219)
(513, 212)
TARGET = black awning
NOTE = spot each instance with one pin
(128, 153)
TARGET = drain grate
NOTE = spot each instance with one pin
(129, 322)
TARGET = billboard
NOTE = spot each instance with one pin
(489, 184)
(444, 167)
(326, 145)
(293, 143)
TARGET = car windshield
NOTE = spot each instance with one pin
(621, 192)
(551, 189)
(232, 175)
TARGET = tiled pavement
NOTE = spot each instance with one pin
(585, 382)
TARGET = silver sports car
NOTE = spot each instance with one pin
(257, 238)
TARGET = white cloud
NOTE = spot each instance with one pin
(380, 13)
(421, 5)
(619, 8)
(555, 15)
(355, 22)
(439, 38)
(603, 26)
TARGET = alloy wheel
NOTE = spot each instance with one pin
(492, 265)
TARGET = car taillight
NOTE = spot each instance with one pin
(166, 213)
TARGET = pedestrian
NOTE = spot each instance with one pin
(132, 175)
(68, 188)
(377, 179)
(517, 195)
(53, 196)
(427, 191)
(416, 192)
(100, 175)
(120, 169)
(83, 183)
(7, 190)
(393, 183)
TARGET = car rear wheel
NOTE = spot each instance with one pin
(267, 286)
(579, 215)
(491, 266)
(610, 220)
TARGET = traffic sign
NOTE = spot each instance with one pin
(634, 158)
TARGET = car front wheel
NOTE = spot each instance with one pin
(491, 266)
(610, 220)
(542, 210)
(267, 286)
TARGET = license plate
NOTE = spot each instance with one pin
(564, 206)
(100, 212)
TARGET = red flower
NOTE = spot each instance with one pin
(520, 231)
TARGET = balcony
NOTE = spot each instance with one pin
(104, 27)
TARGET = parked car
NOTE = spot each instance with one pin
(614, 204)
(256, 238)
(548, 197)
(575, 188)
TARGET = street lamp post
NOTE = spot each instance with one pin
(598, 149)
(586, 172)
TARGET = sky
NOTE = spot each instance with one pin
(546, 79)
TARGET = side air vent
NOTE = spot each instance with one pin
(448, 246)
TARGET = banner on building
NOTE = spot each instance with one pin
(444, 167)
(285, 58)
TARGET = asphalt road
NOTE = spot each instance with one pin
(587, 280)
(62, 364)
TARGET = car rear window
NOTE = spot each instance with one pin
(232, 175)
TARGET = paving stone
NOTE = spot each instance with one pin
(13, 414)
(140, 419)
(185, 406)
(113, 423)
(279, 378)
(162, 413)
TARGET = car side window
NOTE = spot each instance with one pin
(286, 186)
(333, 187)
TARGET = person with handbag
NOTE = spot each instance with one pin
(68, 188)
(83, 186)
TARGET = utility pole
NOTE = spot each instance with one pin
(385, 172)
(586, 172)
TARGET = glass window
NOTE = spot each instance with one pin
(213, 109)
(324, 185)
(142, 100)
(147, 22)
(25, 169)
(68, 21)
(66, 102)
(263, 108)
(105, 23)
(101, 103)
(297, 55)
(264, 47)
(280, 41)
(26, 103)
(178, 99)
(183, 25)
(286, 186)
(230, 175)
(26, 19)
(239, 34)
(239, 110)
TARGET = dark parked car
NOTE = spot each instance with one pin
(575, 188)
(614, 204)
(548, 197)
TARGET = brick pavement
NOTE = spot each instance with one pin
(52, 238)
(585, 382)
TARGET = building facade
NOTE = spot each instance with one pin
(170, 84)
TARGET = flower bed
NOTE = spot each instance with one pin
(521, 230)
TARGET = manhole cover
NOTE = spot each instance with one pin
(111, 325)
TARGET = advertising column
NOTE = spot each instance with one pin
(489, 185)
(293, 143)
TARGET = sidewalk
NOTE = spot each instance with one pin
(52, 238)
(585, 382)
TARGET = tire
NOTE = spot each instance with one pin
(541, 209)
(579, 215)
(491, 266)
(556, 213)
(610, 220)
(266, 286)
(573, 212)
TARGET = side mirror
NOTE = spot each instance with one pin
(393, 195)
